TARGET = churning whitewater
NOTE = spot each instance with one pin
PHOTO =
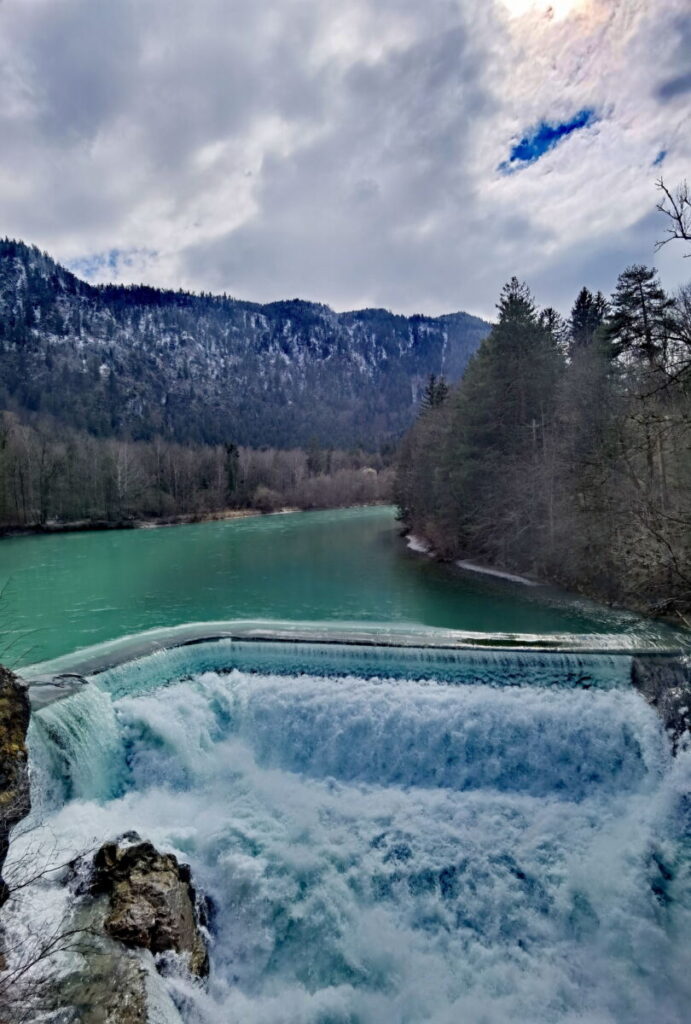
(392, 850)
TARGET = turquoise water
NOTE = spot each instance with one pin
(68, 591)
(390, 832)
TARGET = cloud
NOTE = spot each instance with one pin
(345, 153)
(673, 87)
(679, 83)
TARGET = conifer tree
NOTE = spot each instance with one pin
(575, 470)
(435, 394)
(502, 413)
(641, 320)
(587, 314)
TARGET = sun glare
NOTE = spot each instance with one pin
(558, 8)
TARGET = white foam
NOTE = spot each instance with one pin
(474, 567)
(418, 544)
(391, 852)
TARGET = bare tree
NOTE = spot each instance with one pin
(676, 205)
(31, 951)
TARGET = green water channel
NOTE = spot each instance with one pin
(68, 591)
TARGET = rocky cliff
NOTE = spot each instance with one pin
(14, 771)
(665, 682)
(142, 363)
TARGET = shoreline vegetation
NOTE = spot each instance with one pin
(562, 455)
(57, 480)
(155, 523)
(104, 525)
(420, 547)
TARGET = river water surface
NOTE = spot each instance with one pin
(67, 591)
(389, 835)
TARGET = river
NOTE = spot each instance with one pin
(67, 591)
(389, 835)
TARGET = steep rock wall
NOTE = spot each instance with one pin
(15, 801)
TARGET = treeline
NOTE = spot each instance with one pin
(565, 452)
(53, 475)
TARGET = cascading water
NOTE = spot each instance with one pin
(75, 747)
(392, 837)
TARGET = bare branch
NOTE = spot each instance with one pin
(676, 206)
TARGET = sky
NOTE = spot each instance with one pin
(410, 154)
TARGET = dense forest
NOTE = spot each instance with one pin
(565, 450)
(128, 403)
(51, 475)
(137, 362)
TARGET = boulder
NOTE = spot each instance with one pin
(152, 903)
(110, 989)
(15, 802)
(107, 984)
(665, 682)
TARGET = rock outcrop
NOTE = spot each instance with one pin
(152, 903)
(132, 903)
(111, 988)
(665, 682)
(15, 801)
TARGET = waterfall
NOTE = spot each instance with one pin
(75, 748)
(402, 733)
(484, 667)
(394, 835)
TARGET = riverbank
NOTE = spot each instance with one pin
(419, 545)
(149, 523)
(155, 522)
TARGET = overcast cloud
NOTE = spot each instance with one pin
(353, 153)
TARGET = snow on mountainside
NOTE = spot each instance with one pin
(142, 362)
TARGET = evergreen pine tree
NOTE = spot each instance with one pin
(502, 413)
(435, 394)
(641, 319)
(587, 314)
(429, 394)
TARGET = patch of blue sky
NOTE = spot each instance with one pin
(543, 138)
(660, 158)
(108, 263)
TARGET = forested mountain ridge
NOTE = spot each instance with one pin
(135, 361)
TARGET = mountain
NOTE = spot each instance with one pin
(140, 362)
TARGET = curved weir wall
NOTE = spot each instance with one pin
(341, 648)
(390, 834)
